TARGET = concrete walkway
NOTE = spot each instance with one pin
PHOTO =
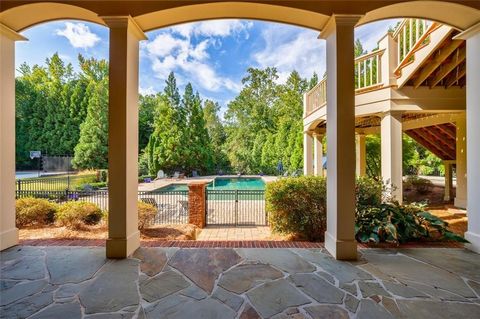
(78, 282)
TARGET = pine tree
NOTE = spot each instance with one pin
(92, 148)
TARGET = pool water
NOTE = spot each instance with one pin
(234, 183)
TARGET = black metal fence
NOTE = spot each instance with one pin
(54, 183)
(236, 207)
(172, 206)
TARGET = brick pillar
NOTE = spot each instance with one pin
(197, 204)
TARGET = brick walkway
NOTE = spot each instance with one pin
(219, 233)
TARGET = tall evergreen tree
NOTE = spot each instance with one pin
(92, 148)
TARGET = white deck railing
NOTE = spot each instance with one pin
(316, 97)
(368, 70)
(410, 36)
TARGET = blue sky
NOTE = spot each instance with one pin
(212, 55)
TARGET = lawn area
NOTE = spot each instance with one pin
(57, 182)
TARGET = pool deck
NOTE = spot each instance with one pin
(207, 179)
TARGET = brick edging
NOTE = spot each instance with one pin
(228, 244)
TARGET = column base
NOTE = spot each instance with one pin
(121, 247)
(8, 238)
(474, 240)
(460, 203)
(339, 249)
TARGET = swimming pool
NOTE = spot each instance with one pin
(224, 183)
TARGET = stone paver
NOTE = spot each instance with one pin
(274, 297)
(203, 266)
(73, 265)
(114, 288)
(283, 259)
(244, 277)
(318, 288)
(77, 282)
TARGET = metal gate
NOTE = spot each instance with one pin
(236, 207)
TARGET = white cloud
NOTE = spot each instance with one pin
(290, 48)
(79, 35)
(175, 50)
(147, 91)
(214, 28)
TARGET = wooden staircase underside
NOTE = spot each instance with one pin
(438, 139)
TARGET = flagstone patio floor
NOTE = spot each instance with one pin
(78, 282)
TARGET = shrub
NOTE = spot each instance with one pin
(369, 191)
(394, 223)
(297, 206)
(34, 211)
(420, 185)
(75, 215)
(146, 214)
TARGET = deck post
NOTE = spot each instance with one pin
(391, 154)
(317, 154)
(361, 155)
(8, 231)
(123, 235)
(307, 154)
(461, 163)
(340, 234)
(472, 36)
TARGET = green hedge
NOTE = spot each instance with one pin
(298, 206)
(34, 211)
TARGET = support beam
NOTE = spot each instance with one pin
(391, 151)
(460, 73)
(317, 154)
(361, 155)
(8, 231)
(446, 68)
(472, 36)
(123, 234)
(436, 62)
(461, 167)
(448, 180)
(340, 235)
(307, 154)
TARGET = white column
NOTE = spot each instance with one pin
(307, 154)
(123, 234)
(448, 180)
(318, 154)
(340, 235)
(461, 163)
(391, 151)
(472, 36)
(361, 156)
(8, 231)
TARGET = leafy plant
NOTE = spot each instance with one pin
(34, 211)
(75, 215)
(395, 223)
(297, 206)
(421, 185)
(146, 214)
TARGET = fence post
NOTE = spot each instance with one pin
(197, 204)
(19, 185)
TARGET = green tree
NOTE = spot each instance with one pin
(92, 148)
(217, 134)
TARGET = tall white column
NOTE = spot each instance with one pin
(361, 155)
(461, 163)
(8, 231)
(391, 152)
(307, 154)
(340, 235)
(472, 36)
(318, 154)
(123, 234)
(448, 180)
